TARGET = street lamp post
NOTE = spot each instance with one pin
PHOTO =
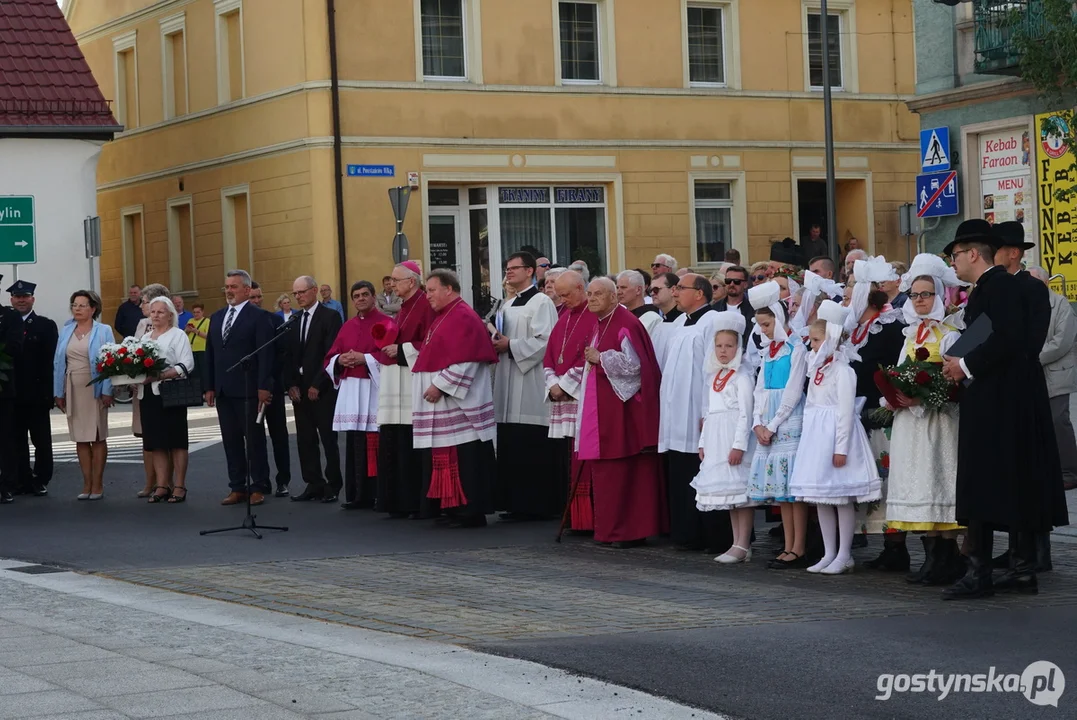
(828, 124)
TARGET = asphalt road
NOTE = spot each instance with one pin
(813, 669)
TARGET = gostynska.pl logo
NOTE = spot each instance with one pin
(1042, 683)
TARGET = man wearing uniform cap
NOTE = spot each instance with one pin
(33, 397)
(11, 344)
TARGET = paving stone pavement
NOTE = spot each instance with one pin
(575, 589)
(86, 648)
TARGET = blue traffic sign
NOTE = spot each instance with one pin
(371, 171)
(935, 149)
(936, 194)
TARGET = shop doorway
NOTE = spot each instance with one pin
(852, 205)
(811, 207)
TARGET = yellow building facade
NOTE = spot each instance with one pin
(607, 130)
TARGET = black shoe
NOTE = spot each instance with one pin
(307, 496)
(330, 498)
(627, 544)
(468, 522)
(949, 565)
(353, 505)
(39, 491)
(860, 540)
(6, 497)
(777, 531)
(1018, 581)
(893, 558)
(921, 575)
(689, 547)
(282, 491)
(1002, 562)
(977, 581)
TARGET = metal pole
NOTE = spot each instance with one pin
(15, 272)
(828, 124)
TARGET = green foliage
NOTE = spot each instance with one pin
(1045, 34)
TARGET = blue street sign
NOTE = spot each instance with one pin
(371, 171)
(936, 194)
(935, 149)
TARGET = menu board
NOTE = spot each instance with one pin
(1007, 190)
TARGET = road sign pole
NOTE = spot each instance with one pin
(828, 123)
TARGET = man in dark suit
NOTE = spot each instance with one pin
(11, 342)
(33, 396)
(312, 393)
(235, 332)
(276, 420)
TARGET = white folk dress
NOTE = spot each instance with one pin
(778, 406)
(728, 426)
(922, 488)
(831, 427)
(682, 382)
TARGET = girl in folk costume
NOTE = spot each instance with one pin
(875, 335)
(777, 420)
(727, 439)
(922, 488)
(834, 464)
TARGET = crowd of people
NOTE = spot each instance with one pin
(632, 406)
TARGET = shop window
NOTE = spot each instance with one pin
(714, 220)
(562, 223)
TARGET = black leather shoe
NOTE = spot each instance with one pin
(949, 565)
(1019, 582)
(282, 491)
(330, 498)
(6, 498)
(353, 505)
(893, 558)
(468, 522)
(921, 575)
(977, 581)
(307, 496)
(39, 491)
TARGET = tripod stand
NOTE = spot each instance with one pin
(247, 364)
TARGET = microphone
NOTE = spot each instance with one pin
(288, 323)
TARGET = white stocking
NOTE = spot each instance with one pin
(846, 528)
(828, 527)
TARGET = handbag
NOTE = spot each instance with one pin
(183, 391)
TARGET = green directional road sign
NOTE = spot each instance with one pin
(18, 238)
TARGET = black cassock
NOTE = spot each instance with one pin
(882, 349)
(1008, 472)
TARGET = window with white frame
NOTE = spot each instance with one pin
(579, 28)
(706, 44)
(834, 28)
(181, 252)
(125, 59)
(444, 39)
(714, 220)
(231, 81)
(174, 65)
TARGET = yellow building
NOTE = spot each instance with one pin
(608, 130)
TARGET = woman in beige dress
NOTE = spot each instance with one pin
(86, 406)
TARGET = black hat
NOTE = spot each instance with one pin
(21, 287)
(1009, 234)
(975, 230)
(786, 251)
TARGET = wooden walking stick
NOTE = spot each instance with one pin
(568, 506)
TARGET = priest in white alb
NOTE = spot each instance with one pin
(687, 342)
(452, 406)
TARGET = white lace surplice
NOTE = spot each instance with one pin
(519, 381)
(623, 370)
(563, 412)
(357, 399)
(394, 389)
(465, 411)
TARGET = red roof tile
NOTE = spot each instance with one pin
(45, 82)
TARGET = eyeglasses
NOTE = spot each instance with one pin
(682, 287)
(715, 286)
(654, 265)
(544, 265)
(734, 281)
(953, 255)
(81, 307)
(297, 293)
(654, 291)
(759, 278)
(924, 295)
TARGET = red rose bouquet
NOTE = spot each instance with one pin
(916, 379)
(384, 333)
(129, 362)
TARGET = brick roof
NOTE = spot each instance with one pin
(46, 86)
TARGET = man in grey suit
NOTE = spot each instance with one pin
(1059, 360)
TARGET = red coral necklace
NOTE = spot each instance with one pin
(819, 372)
(720, 382)
(858, 336)
(775, 348)
(926, 330)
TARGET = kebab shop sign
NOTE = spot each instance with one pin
(1005, 152)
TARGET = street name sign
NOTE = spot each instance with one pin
(371, 170)
(18, 236)
(936, 194)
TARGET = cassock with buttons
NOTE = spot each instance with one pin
(11, 340)
(33, 396)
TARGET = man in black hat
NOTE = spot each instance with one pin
(11, 346)
(34, 396)
(1007, 458)
(1008, 239)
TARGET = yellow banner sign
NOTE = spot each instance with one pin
(1058, 243)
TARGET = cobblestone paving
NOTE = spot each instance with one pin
(575, 589)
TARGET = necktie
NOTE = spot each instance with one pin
(303, 330)
(228, 324)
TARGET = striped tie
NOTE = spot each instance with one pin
(228, 324)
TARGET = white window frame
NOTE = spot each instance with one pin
(607, 45)
(223, 8)
(846, 12)
(175, 252)
(124, 104)
(124, 214)
(472, 14)
(730, 42)
(169, 27)
(228, 220)
(738, 213)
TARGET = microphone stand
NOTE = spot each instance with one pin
(247, 363)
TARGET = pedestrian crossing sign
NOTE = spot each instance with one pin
(935, 149)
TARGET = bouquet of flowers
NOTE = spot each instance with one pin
(129, 362)
(384, 333)
(917, 380)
